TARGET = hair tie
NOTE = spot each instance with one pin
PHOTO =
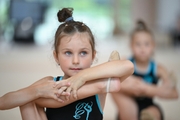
(69, 19)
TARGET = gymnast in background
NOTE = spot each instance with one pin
(135, 100)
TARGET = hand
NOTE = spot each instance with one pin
(46, 89)
(134, 86)
(75, 84)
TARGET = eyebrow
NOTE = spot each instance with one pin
(80, 49)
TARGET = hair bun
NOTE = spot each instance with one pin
(141, 25)
(64, 14)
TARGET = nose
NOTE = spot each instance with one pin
(75, 59)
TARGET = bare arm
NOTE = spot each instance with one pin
(116, 69)
(168, 88)
(136, 87)
(88, 89)
(42, 88)
(16, 98)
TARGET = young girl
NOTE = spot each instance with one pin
(135, 100)
(80, 93)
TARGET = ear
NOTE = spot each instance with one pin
(94, 54)
(55, 57)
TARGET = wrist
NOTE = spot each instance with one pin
(83, 76)
(36, 91)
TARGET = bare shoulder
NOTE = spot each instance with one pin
(48, 78)
(162, 71)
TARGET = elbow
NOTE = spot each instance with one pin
(2, 107)
(129, 67)
(176, 95)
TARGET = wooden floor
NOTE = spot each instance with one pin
(21, 65)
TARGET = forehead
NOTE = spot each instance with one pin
(77, 39)
(143, 37)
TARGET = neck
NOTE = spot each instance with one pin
(142, 63)
(65, 76)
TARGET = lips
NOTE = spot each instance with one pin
(75, 68)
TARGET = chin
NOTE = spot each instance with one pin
(144, 59)
(73, 73)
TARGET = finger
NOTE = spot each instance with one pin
(61, 90)
(62, 98)
(58, 99)
(69, 89)
(65, 94)
(60, 84)
(74, 92)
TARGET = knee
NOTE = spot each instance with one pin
(151, 112)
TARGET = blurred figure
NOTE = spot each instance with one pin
(175, 34)
(135, 100)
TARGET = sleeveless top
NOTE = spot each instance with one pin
(149, 76)
(84, 109)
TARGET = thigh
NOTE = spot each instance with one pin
(31, 111)
(127, 108)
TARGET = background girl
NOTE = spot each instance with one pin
(74, 52)
(135, 100)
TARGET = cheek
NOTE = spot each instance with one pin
(63, 61)
(150, 49)
(136, 50)
(151, 52)
(87, 62)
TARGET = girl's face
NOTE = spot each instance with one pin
(74, 54)
(142, 46)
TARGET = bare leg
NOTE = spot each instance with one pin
(127, 108)
(150, 113)
(31, 111)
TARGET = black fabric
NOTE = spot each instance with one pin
(150, 74)
(58, 78)
(85, 109)
(144, 103)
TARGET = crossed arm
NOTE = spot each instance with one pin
(134, 86)
(44, 92)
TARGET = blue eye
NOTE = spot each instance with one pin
(68, 53)
(83, 53)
